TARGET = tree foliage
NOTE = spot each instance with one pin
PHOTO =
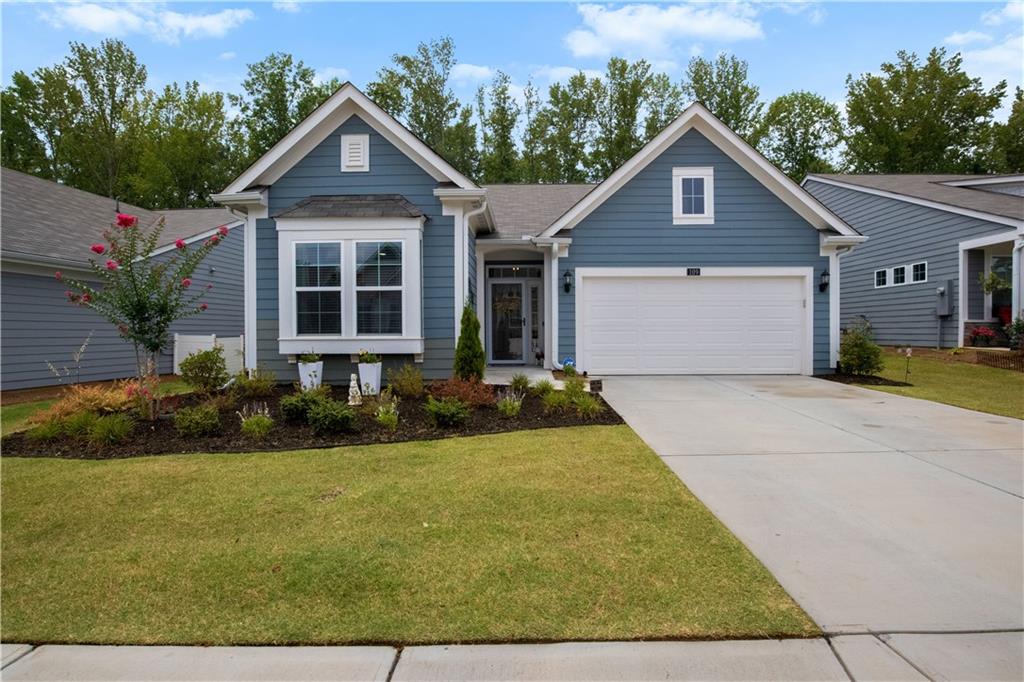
(1007, 155)
(800, 133)
(499, 114)
(915, 117)
(723, 87)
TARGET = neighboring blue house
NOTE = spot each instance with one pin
(928, 233)
(696, 256)
(46, 227)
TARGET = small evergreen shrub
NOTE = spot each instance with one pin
(259, 384)
(569, 369)
(257, 426)
(296, 406)
(78, 425)
(575, 386)
(45, 431)
(556, 401)
(447, 412)
(328, 416)
(542, 388)
(588, 406)
(858, 353)
(510, 404)
(519, 383)
(470, 391)
(204, 371)
(111, 429)
(194, 422)
(469, 352)
(406, 381)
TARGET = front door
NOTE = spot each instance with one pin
(508, 322)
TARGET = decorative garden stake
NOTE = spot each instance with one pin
(354, 397)
(906, 373)
(141, 297)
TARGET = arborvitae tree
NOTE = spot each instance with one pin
(469, 353)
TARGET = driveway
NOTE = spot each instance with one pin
(877, 513)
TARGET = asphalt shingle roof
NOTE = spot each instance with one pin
(353, 206)
(527, 210)
(931, 188)
(41, 219)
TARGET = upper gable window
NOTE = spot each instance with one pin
(693, 196)
(355, 153)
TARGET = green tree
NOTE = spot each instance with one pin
(469, 353)
(21, 146)
(664, 104)
(723, 87)
(1008, 139)
(529, 160)
(560, 134)
(186, 151)
(498, 113)
(278, 93)
(460, 139)
(915, 117)
(621, 99)
(800, 134)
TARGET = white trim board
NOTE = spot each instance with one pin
(985, 180)
(697, 117)
(970, 213)
(807, 273)
(348, 100)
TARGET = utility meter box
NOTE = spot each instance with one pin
(944, 299)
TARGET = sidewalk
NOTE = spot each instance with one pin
(989, 656)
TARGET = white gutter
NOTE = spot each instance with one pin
(240, 198)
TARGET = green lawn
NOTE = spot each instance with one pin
(576, 533)
(976, 387)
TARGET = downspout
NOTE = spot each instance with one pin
(465, 249)
(1015, 289)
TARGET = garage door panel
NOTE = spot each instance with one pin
(690, 325)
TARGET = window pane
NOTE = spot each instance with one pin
(379, 312)
(698, 186)
(687, 187)
(305, 254)
(379, 264)
(698, 205)
(880, 278)
(899, 275)
(693, 196)
(305, 276)
(687, 205)
(318, 265)
(330, 276)
(920, 272)
(318, 312)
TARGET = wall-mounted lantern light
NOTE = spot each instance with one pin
(823, 280)
(567, 281)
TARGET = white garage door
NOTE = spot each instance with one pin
(692, 325)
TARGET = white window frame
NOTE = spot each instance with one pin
(892, 276)
(363, 140)
(340, 288)
(888, 278)
(358, 288)
(914, 265)
(705, 173)
(348, 231)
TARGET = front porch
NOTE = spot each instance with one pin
(990, 285)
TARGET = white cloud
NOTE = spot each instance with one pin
(652, 29)
(554, 74)
(967, 38)
(290, 6)
(1012, 11)
(164, 25)
(994, 63)
(228, 56)
(467, 74)
(325, 74)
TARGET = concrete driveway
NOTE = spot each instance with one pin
(877, 513)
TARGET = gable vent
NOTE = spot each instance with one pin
(355, 153)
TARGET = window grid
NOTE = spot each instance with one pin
(692, 194)
(318, 306)
(919, 272)
(881, 278)
(899, 275)
(379, 285)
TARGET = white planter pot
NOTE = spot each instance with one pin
(310, 374)
(369, 378)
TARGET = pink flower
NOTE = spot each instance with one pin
(179, 243)
(98, 248)
(222, 230)
(203, 306)
(86, 298)
(186, 283)
(209, 286)
(214, 240)
(125, 220)
(70, 295)
(58, 275)
(111, 265)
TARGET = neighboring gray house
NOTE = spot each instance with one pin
(696, 256)
(47, 227)
(928, 232)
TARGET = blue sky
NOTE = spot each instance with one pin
(789, 45)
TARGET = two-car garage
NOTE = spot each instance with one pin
(694, 321)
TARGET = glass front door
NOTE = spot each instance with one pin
(507, 322)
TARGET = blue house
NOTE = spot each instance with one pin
(934, 238)
(696, 256)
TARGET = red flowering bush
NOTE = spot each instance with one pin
(141, 296)
(983, 332)
(471, 391)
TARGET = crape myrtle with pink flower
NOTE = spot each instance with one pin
(143, 296)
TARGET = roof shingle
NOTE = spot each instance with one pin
(353, 206)
(527, 210)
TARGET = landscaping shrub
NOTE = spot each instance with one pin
(76, 399)
(569, 369)
(387, 410)
(472, 391)
(448, 411)
(1015, 333)
(205, 371)
(111, 429)
(542, 388)
(406, 381)
(222, 401)
(78, 425)
(511, 403)
(257, 427)
(259, 384)
(202, 420)
(575, 386)
(556, 401)
(520, 383)
(858, 353)
(469, 353)
(588, 406)
(296, 406)
(46, 431)
(330, 416)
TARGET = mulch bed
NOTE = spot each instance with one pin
(160, 437)
(863, 380)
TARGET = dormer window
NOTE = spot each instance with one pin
(355, 153)
(693, 196)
